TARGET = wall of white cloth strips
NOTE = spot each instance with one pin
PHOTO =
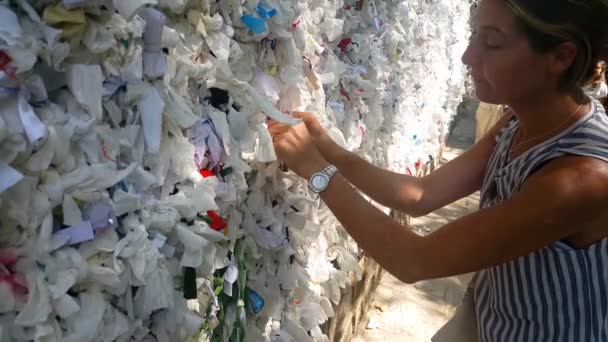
(140, 199)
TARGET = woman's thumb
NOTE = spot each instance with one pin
(309, 119)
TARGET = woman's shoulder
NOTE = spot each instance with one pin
(603, 92)
(596, 118)
(589, 138)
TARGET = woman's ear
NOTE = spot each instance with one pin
(562, 57)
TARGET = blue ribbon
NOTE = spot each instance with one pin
(266, 12)
(255, 25)
(255, 302)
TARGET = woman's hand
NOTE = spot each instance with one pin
(325, 144)
(295, 145)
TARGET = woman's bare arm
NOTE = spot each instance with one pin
(550, 207)
(412, 195)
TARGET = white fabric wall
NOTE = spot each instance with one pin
(106, 121)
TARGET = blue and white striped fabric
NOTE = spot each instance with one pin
(557, 293)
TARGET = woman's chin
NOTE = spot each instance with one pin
(484, 95)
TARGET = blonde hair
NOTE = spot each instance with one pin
(548, 23)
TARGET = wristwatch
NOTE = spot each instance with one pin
(320, 180)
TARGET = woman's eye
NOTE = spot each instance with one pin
(491, 41)
(491, 45)
(484, 42)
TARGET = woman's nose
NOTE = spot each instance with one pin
(469, 57)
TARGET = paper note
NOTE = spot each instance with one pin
(8, 177)
(155, 62)
(151, 107)
(100, 215)
(74, 234)
(159, 240)
(34, 128)
(168, 251)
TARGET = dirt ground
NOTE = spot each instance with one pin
(413, 313)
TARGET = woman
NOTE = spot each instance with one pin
(596, 88)
(539, 241)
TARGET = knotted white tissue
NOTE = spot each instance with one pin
(38, 306)
(86, 325)
(151, 107)
(10, 30)
(127, 8)
(155, 62)
(86, 83)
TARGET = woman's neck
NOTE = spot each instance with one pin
(543, 114)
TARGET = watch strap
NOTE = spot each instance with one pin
(330, 170)
(327, 172)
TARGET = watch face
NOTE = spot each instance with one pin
(319, 182)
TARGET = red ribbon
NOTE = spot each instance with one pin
(206, 173)
(5, 62)
(217, 223)
(344, 43)
(295, 24)
(16, 282)
(345, 94)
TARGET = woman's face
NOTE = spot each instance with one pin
(599, 70)
(503, 65)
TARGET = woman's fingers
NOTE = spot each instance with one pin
(276, 138)
(278, 129)
(311, 122)
(301, 115)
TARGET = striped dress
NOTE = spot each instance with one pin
(557, 293)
